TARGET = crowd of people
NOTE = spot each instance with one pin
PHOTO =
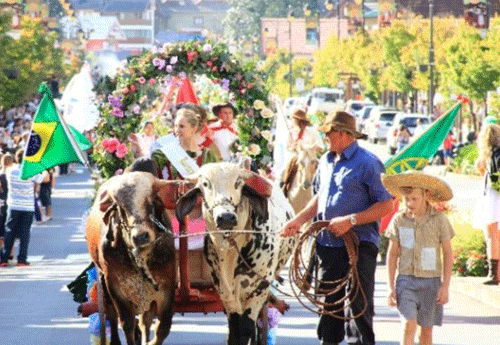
(21, 201)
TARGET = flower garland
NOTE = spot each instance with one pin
(143, 78)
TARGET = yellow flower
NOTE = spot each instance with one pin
(253, 150)
(267, 113)
(266, 135)
(259, 105)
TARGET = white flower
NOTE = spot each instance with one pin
(266, 135)
(255, 131)
(259, 105)
(266, 113)
(253, 149)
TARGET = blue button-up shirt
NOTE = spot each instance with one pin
(349, 184)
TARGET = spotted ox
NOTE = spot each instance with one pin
(135, 255)
(242, 264)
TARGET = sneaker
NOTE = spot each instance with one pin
(22, 264)
(4, 264)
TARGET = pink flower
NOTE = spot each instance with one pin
(243, 91)
(125, 90)
(136, 109)
(173, 60)
(169, 68)
(121, 150)
(142, 80)
(191, 56)
(110, 145)
(118, 172)
(214, 69)
(209, 63)
(152, 81)
(159, 63)
(133, 88)
(117, 112)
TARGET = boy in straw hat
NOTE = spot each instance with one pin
(418, 234)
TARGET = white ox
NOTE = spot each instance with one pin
(241, 275)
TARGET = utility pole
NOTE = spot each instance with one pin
(430, 110)
(338, 20)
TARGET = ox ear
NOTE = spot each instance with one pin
(168, 191)
(186, 204)
(257, 201)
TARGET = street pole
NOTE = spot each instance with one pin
(363, 14)
(338, 20)
(430, 110)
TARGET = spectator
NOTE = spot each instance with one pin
(487, 215)
(421, 127)
(7, 162)
(20, 209)
(448, 144)
(46, 186)
(403, 137)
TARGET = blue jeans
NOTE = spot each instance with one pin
(18, 225)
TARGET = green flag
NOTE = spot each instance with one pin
(80, 139)
(51, 142)
(421, 149)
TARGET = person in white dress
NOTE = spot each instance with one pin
(224, 130)
(487, 213)
(142, 142)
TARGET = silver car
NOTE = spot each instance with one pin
(379, 122)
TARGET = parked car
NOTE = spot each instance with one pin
(379, 122)
(363, 117)
(355, 107)
(324, 100)
(410, 121)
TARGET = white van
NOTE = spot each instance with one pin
(324, 100)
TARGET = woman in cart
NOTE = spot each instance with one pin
(187, 126)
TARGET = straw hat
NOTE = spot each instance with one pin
(219, 106)
(341, 121)
(439, 190)
(300, 114)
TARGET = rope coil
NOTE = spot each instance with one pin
(301, 279)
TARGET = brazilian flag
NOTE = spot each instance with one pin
(51, 142)
(417, 154)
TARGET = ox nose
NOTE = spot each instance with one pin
(141, 239)
(226, 221)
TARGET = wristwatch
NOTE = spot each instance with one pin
(353, 220)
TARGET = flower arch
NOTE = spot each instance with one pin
(143, 78)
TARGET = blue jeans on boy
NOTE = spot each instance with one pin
(18, 225)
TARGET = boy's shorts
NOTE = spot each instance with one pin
(416, 299)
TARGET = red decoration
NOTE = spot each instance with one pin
(186, 93)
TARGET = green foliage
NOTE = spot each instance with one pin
(469, 250)
(28, 61)
(463, 163)
(141, 81)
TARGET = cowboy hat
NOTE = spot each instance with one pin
(219, 106)
(300, 114)
(439, 190)
(341, 121)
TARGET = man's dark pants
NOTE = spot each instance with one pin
(18, 225)
(334, 264)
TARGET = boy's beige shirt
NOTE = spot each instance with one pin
(420, 243)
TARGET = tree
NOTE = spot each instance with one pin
(28, 61)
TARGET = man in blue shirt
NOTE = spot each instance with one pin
(350, 194)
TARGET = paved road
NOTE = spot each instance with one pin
(35, 307)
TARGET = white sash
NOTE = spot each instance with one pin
(171, 147)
